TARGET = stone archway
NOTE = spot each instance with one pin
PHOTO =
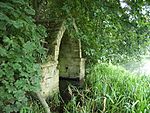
(64, 59)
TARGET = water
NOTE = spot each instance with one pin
(140, 67)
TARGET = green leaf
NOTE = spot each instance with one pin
(3, 25)
(6, 6)
(7, 40)
(28, 47)
(24, 74)
(3, 17)
(22, 84)
(19, 94)
(18, 23)
(17, 13)
(17, 66)
(1, 73)
(30, 11)
(21, 2)
(8, 109)
(3, 52)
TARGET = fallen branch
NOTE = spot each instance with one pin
(43, 102)
(104, 105)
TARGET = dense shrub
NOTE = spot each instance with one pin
(21, 52)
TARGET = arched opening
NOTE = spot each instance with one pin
(69, 58)
(70, 64)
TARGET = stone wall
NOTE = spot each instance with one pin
(71, 63)
(50, 72)
(50, 79)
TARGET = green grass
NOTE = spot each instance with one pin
(111, 89)
(107, 89)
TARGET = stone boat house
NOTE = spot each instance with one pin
(64, 61)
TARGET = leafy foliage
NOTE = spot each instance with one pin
(108, 31)
(21, 52)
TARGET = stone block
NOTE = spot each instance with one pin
(50, 79)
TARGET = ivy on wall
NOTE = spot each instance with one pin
(21, 51)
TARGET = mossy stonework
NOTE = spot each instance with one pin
(64, 59)
(71, 62)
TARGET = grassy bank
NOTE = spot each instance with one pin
(107, 89)
(111, 89)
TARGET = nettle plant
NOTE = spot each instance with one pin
(21, 52)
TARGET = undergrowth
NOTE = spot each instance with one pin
(34, 105)
(107, 89)
(111, 89)
(21, 52)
